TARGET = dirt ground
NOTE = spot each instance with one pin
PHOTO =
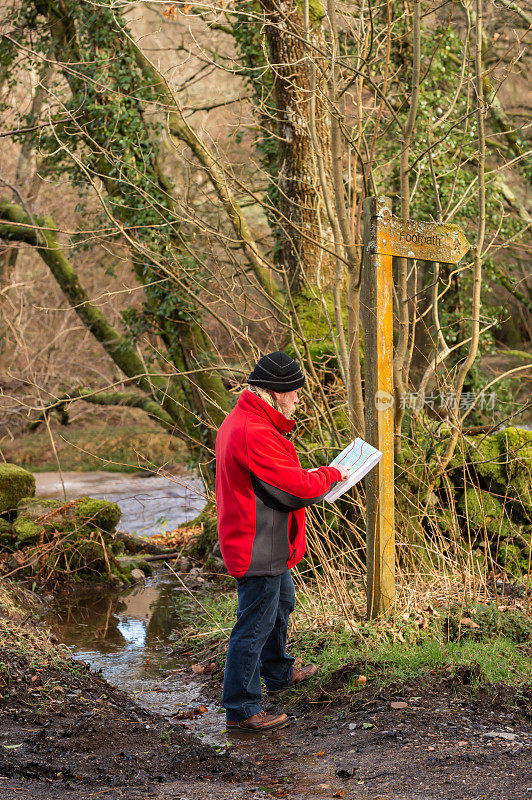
(70, 735)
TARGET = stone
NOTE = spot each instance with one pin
(504, 459)
(6, 534)
(15, 483)
(99, 513)
(137, 574)
(126, 562)
(510, 737)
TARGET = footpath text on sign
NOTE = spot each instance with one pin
(427, 241)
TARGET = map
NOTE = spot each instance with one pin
(359, 458)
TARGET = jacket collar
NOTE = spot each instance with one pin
(251, 403)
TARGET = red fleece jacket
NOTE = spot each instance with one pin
(262, 491)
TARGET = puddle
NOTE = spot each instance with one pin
(149, 503)
(127, 637)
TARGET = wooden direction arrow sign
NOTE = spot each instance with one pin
(428, 241)
(386, 236)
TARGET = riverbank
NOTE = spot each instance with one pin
(65, 732)
(69, 732)
(126, 447)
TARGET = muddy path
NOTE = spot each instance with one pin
(121, 730)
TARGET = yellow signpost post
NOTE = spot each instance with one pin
(386, 236)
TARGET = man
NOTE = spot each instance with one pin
(261, 494)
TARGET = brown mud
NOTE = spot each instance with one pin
(66, 733)
(70, 735)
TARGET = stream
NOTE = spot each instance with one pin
(128, 636)
(149, 503)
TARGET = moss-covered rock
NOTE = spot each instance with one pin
(488, 518)
(38, 506)
(129, 563)
(80, 533)
(98, 513)
(515, 559)
(488, 622)
(200, 546)
(484, 512)
(27, 531)
(15, 483)
(504, 462)
(40, 510)
(7, 535)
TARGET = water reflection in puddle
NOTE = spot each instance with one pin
(128, 638)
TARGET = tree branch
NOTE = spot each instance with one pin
(15, 225)
(108, 398)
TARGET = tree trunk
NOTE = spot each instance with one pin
(304, 224)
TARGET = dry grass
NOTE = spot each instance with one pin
(178, 538)
(19, 632)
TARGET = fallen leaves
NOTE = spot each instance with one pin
(191, 713)
(170, 11)
(203, 669)
(178, 538)
(469, 623)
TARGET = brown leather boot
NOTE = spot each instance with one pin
(260, 723)
(303, 674)
(299, 676)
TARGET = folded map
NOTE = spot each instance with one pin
(358, 458)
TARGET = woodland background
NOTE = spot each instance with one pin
(181, 191)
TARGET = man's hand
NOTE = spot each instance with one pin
(343, 471)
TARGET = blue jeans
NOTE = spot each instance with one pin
(257, 647)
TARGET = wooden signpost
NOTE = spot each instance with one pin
(384, 237)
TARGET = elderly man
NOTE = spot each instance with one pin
(261, 494)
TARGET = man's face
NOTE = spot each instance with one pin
(287, 401)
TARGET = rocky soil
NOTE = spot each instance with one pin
(67, 734)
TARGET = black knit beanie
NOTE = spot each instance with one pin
(277, 372)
